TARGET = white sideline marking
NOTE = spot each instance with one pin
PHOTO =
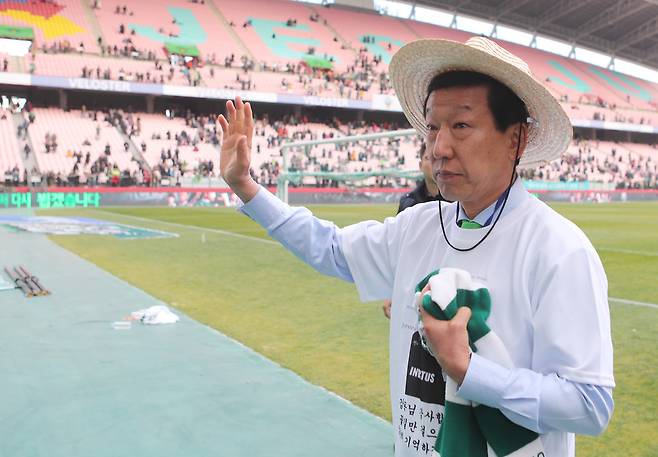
(261, 240)
(629, 251)
(193, 227)
(633, 302)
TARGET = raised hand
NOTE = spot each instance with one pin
(235, 157)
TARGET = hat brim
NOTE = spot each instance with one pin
(415, 64)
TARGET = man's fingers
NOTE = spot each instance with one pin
(239, 108)
(248, 117)
(424, 314)
(223, 123)
(462, 316)
(248, 114)
(249, 122)
(460, 319)
(230, 111)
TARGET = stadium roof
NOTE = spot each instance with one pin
(620, 28)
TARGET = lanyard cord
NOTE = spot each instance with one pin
(443, 229)
(493, 213)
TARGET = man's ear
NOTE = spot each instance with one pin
(515, 138)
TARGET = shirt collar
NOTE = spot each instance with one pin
(515, 197)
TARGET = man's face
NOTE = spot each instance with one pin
(471, 160)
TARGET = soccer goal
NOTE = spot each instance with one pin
(384, 159)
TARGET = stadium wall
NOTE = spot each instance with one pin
(96, 197)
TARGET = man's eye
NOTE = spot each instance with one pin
(460, 125)
(431, 127)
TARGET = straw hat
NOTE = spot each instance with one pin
(415, 64)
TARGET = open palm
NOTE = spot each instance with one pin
(237, 132)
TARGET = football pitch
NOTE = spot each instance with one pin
(224, 271)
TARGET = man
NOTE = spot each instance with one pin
(482, 114)
(425, 191)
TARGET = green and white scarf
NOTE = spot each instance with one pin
(470, 429)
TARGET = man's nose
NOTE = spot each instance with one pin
(442, 147)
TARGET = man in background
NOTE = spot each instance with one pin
(425, 191)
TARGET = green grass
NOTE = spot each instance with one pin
(264, 297)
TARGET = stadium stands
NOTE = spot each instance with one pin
(176, 148)
(10, 160)
(221, 28)
(271, 46)
(256, 25)
(151, 24)
(61, 23)
(94, 67)
(383, 35)
(624, 165)
(162, 136)
(75, 134)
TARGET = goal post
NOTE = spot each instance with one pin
(287, 176)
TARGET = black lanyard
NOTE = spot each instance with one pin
(491, 216)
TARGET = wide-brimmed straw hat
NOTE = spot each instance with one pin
(415, 64)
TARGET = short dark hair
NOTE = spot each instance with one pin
(505, 106)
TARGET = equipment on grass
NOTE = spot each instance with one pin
(24, 280)
(34, 280)
(20, 283)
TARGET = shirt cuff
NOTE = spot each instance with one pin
(484, 383)
(266, 209)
